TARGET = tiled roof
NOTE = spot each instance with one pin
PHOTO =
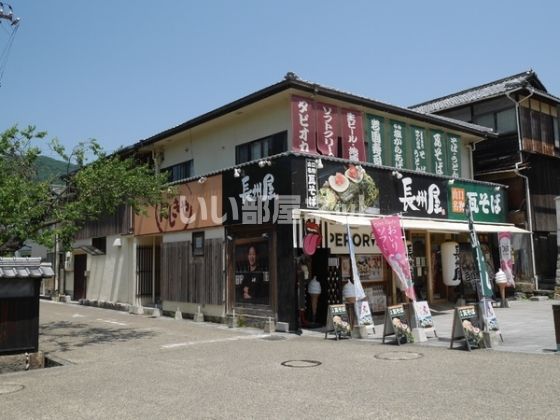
(24, 268)
(291, 81)
(478, 93)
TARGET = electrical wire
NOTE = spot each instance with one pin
(6, 52)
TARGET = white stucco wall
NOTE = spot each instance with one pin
(111, 276)
(212, 146)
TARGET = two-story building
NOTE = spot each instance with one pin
(525, 156)
(267, 185)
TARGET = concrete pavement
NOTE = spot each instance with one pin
(126, 366)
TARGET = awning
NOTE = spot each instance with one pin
(417, 224)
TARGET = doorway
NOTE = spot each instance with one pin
(80, 279)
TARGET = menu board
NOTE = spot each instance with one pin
(396, 323)
(338, 322)
(467, 326)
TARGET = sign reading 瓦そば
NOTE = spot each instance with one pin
(487, 204)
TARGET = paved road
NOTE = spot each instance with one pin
(126, 366)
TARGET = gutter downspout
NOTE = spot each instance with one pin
(526, 180)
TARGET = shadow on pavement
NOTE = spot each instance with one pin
(64, 336)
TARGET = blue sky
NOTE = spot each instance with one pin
(121, 71)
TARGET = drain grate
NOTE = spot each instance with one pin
(10, 388)
(274, 338)
(301, 363)
(399, 355)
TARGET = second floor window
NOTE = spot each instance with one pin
(261, 148)
(180, 171)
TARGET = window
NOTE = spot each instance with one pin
(261, 148)
(503, 121)
(556, 124)
(198, 243)
(485, 120)
(180, 171)
(506, 121)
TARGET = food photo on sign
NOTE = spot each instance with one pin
(348, 188)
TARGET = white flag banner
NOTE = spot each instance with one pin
(360, 294)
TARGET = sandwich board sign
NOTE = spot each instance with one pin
(396, 323)
(423, 317)
(466, 326)
(338, 322)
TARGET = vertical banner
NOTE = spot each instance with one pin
(327, 129)
(398, 144)
(438, 152)
(353, 147)
(506, 256)
(419, 152)
(375, 136)
(303, 125)
(485, 286)
(360, 294)
(389, 238)
(453, 156)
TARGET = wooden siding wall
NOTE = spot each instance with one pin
(185, 278)
(119, 222)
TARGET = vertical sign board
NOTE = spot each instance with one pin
(353, 146)
(453, 156)
(303, 125)
(396, 323)
(419, 150)
(311, 182)
(377, 150)
(327, 129)
(337, 321)
(466, 326)
(438, 152)
(398, 144)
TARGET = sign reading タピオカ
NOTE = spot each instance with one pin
(195, 206)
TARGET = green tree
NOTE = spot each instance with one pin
(40, 210)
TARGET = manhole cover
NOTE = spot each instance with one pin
(9, 388)
(274, 338)
(301, 363)
(398, 355)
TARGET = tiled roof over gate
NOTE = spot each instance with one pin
(24, 268)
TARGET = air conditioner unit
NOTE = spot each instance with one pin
(69, 261)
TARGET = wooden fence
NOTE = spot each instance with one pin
(185, 278)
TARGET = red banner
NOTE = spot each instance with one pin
(389, 238)
(303, 125)
(327, 129)
(353, 147)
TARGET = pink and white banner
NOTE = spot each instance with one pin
(389, 238)
(506, 256)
